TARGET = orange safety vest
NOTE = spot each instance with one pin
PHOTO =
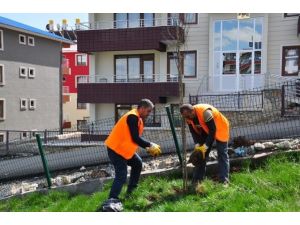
(222, 124)
(120, 141)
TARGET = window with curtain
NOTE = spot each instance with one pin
(290, 60)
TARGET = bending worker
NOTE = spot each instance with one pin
(122, 144)
(207, 124)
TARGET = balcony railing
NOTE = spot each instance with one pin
(121, 24)
(140, 78)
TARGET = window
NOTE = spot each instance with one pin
(32, 104)
(31, 41)
(148, 20)
(134, 20)
(22, 39)
(189, 64)
(291, 14)
(81, 105)
(290, 60)
(23, 104)
(81, 124)
(2, 82)
(24, 135)
(134, 68)
(237, 54)
(31, 72)
(2, 138)
(120, 20)
(174, 19)
(81, 60)
(23, 71)
(1, 40)
(190, 18)
(131, 20)
(2, 109)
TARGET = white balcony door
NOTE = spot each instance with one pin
(237, 55)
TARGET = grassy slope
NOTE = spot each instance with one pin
(276, 187)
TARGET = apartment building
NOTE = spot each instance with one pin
(30, 81)
(76, 67)
(133, 56)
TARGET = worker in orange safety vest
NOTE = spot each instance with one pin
(207, 124)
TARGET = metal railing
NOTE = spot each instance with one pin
(246, 100)
(121, 24)
(139, 78)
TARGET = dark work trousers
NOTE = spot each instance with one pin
(223, 164)
(120, 166)
(223, 160)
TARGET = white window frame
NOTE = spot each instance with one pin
(22, 43)
(33, 69)
(81, 55)
(4, 109)
(3, 135)
(2, 41)
(22, 135)
(20, 71)
(237, 51)
(33, 41)
(23, 107)
(3, 75)
(34, 105)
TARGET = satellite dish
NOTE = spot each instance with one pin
(48, 27)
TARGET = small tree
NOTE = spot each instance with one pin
(177, 32)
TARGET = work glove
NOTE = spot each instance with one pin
(198, 155)
(154, 149)
(201, 148)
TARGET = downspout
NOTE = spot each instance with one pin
(60, 93)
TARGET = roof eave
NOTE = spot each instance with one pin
(36, 34)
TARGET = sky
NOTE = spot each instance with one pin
(39, 20)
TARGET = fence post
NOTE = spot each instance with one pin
(174, 133)
(45, 136)
(44, 160)
(282, 100)
(7, 142)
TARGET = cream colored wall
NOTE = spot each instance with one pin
(282, 32)
(70, 111)
(104, 111)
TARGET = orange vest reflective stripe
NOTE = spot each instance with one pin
(222, 124)
(119, 140)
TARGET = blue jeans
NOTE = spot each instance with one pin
(120, 165)
(223, 164)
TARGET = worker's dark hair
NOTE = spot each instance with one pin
(186, 107)
(145, 103)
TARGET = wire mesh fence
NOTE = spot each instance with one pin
(263, 113)
(259, 114)
(75, 147)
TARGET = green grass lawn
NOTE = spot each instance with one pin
(273, 187)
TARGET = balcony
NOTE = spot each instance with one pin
(123, 89)
(110, 36)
